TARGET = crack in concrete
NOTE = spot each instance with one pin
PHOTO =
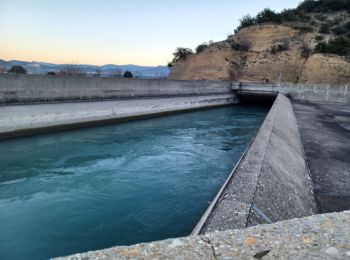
(207, 240)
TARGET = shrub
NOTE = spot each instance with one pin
(313, 23)
(280, 47)
(324, 5)
(319, 37)
(339, 30)
(347, 25)
(243, 45)
(339, 46)
(305, 51)
(321, 17)
(324, 28)
(304, 28)
(246, 21)
(289, 15)
(201, 47)
(128, 75)
(170, 65)
(18, 70)
(267, 15)
(181, 54)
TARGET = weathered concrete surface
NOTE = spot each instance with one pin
(317, 237)
(328, 93)
(271, 183)
(325, 131)
(39, 88)
(26, 119)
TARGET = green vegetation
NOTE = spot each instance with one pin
(305, 51)
(324, 28)
(201, 47)
(299, 14)
(319, 37)
(242, 45)
(340, 30)
(179, 55)
(280, 47)
(339, 45)
(324, 6)
(17, 70)
(128, 75)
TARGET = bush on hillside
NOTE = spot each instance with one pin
(128, 75)
(267, 15)
(320, 6)
(319, 38)
(298, 14)
(17, 70)
(243, 45)
(201, 47)
(339, 30)
(339, 46)
(324, 28)
(305, 51)
(181, 54)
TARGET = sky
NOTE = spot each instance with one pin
(142, 32)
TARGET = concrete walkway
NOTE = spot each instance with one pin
(325, 132)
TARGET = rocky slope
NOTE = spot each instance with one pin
(267, 53)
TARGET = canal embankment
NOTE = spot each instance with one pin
(270, 183)
(18, 120)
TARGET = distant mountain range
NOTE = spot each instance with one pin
(108, 70)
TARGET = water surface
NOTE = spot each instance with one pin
(120, 184)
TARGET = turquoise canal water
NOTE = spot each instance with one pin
(121, 184)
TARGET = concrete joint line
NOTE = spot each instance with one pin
(261, 214)
(261, 166)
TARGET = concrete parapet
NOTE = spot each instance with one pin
(40, 88)
(26, 119)
(271, 182)
(317, 237)
(316, 92)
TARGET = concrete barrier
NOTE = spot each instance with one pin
(25, 119)
(321, 93)
(39, 88)
(317, 237)
(270, 183)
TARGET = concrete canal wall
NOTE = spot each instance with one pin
(313, 93)
(270, 183)
(39, 88)
(16, 120)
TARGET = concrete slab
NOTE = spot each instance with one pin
(325, 131)
(271, 182)
(317, 237)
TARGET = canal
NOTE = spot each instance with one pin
(120, 184)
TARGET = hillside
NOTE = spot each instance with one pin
(109, 70)
(308, 44)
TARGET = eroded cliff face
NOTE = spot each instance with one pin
(277, 53)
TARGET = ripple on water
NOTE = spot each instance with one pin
(121, 184)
